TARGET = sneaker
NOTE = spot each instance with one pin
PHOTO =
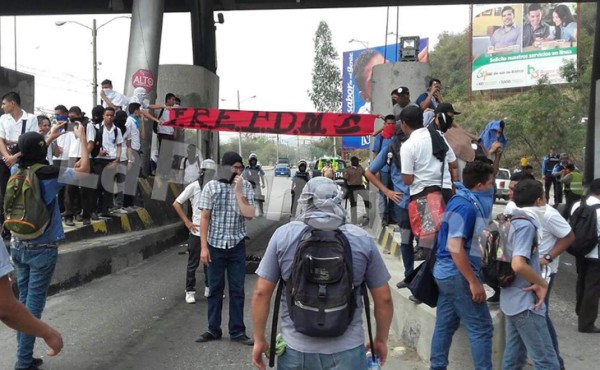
(190, 297)
(95, 216)
(78, 218)
(413, 299)
(207, 337)
(86, 221)
(495, 299)
(37, 362)
(121, 210)
(69, 221)
(206, 292)
(401, 285)
(243, 339)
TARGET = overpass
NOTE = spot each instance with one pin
(147, 23)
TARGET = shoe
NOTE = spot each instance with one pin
(121, 211)
(495, 298)
(243, 339)
(190, 297)
(86, 221)
(206, 337)
(591, 329)
(401, 285)
(206, 292)
(414, 300)
(78, 218)
(95, 216)
(69, 221)
(37, 362)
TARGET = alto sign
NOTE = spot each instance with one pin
(143, 78)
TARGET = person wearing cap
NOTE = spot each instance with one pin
(35, 259)
(400, 100)
(432, 97)
(321, 208)
(588, 274)
(557, 172)
(226, 202)
(299, 180)
(192, 193)
(256, 176)
(550, 160)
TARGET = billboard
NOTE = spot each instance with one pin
(357, 72)
(515, 45)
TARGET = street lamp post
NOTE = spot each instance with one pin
(94, 31)
(363, 43)
(239, 103)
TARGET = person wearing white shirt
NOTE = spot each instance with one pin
(162, 131)
(421, 170)
(75, 195)
(109, 155)
(588, 273)
(111, 97)
(192, 193)
(13, 123)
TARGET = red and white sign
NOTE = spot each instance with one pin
(143, 78)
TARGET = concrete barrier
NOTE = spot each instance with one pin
(414, 324)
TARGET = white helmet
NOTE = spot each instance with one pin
(252, 156)
(208, 164)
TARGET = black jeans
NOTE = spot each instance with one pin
(587, 292)
(101, 165)
(549, 182)
(73, 196)
(4, 175)
(193, 263)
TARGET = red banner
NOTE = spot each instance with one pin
(285, 123)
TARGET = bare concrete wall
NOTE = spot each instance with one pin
(22, 83)
(197, 87)
(389, 76)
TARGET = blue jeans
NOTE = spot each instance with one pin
(527, 334)
(34, 267)
(406, 246)
(352, 359)
(455, 304)
(234, 261)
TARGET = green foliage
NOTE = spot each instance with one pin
(326, 93)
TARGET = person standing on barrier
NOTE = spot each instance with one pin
(35, 259)
(457, 270)
(226, 203)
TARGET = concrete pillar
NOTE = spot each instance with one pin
(142, 58)
(592, 149)
(204, 44)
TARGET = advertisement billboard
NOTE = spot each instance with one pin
(357, 72)
(515, 45)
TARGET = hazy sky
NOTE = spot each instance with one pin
(264, 53)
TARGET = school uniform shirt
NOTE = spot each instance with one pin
(10, 130)
(554, 227)
(191, 171)
(133, 133)
(90, 134)
(74, 147)
(109, 143)
(192, 193)
(162, 129)
(64, 142)
(416, 159)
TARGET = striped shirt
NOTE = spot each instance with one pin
(227, 225)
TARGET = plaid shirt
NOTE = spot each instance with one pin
(227, 225)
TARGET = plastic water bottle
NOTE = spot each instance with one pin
(373, 362)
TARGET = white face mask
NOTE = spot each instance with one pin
(107, 91)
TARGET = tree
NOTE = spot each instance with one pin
(326, 93)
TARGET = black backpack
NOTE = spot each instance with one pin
(98, 139)
(496, 267)
(320, 292)
(584, 223)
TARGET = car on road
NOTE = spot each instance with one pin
(502, 181)
(283, 169)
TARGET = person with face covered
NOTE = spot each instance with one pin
(35, 259)
(301, 177)
(112, 98)
(353, 176)
(226, 202)
(256, 176)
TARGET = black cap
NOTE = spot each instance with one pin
(230, 158)
(402, 90)
(445, 108)
(412, 114)
(32, 146)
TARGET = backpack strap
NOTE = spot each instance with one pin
(23, 126)
(367, 309)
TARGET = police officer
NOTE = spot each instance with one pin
(550, 160)
(256, 176)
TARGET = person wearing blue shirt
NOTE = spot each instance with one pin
(380, 144)
(35, 259)
(550, 160)
(457, 270)
(557, 172)
(398, 196)
(432, 97)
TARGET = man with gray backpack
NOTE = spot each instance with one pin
(322, 265)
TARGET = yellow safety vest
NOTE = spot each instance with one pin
(577, 183)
